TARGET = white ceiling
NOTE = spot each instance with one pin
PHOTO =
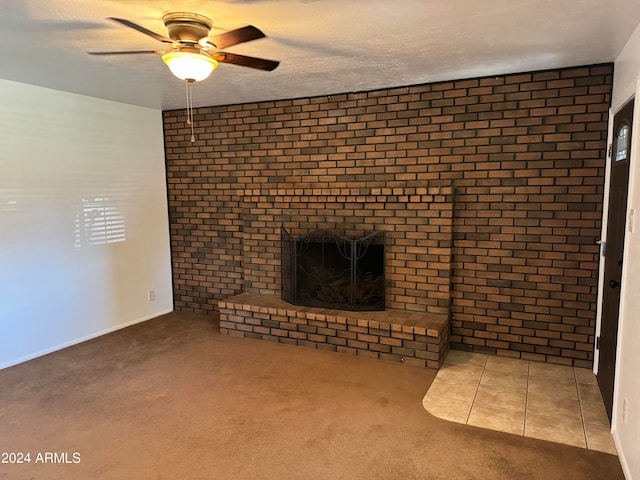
(325, 46)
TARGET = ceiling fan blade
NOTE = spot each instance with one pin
(234, 37)
(135, 26)
(131, 52)
(244, 61)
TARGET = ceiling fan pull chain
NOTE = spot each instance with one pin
(188, 84)
(193, 137)
(186, 88)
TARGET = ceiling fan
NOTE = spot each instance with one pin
(192, 54)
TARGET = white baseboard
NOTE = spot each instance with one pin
(621, 457)
(83, 339)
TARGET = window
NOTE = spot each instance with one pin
(622, 145)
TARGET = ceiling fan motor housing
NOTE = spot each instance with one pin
(187, 27)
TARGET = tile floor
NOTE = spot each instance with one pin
(540, 400)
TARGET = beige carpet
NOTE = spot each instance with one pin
(173, 399)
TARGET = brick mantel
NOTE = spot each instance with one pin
(364, 194)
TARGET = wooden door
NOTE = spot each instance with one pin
(613, 251)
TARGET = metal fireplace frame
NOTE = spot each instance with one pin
(351, 249)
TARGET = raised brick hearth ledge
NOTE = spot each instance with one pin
(419, 339)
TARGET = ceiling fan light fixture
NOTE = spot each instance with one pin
(189, 65)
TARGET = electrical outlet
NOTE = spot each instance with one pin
(151, 295)
(632, 220)
(624, 410)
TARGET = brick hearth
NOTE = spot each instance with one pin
(408, 337)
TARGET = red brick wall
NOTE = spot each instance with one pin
(524, 154)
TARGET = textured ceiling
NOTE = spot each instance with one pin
(325, 46)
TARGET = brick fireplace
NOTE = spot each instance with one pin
(489, 191)
(417, 222)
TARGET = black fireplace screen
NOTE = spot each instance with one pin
(324, 269)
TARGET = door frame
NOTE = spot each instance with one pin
(634, 158)
(603, 238)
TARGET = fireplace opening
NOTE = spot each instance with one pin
(325, 269)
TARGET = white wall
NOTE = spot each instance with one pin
(627, 382)
(67, 162)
